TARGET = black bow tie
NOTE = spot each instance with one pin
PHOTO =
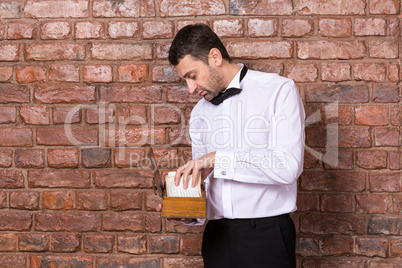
(230, 91)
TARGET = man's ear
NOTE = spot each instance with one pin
(215, 57)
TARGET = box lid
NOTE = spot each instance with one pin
(157, 179)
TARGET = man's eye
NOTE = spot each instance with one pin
(192, 77)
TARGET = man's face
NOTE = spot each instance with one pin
(202, 79)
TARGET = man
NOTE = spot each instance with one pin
(248, 132)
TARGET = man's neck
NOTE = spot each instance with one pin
(229, 71)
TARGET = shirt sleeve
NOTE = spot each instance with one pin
(281, 161)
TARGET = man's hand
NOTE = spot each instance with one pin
(193, 167)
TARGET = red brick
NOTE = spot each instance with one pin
(395, 160)
(385, 93)
(335, 72)
(157, 29)
(386, 137)
(64, 73)
(297, 27)
(131, 115)
(182, 262)
(265, 7)
(133, 73)
(121, 51)
(384, 182)
(59, 178)
(126, 200)
(8, 115)
(123, 29)
(13, 260)
(307, 246)
(384, 6)
(322, 7)
(11, 179)
(165, 73)
(68, 115)
(162, 51)
(11, 10)
(6, 73)
(128, 157)
(33, 242)
(183, 23)
(127, 262)
(332, 181)
(171, 8)
(55, 30)
(372, 246)
(14, 93)
(335, 224)
(396, 115)
(383, 225)
(6, 158)
(21, 137)
(302, 72)
(393, 27)
(167, 158)
(123, 9)
(8, 243)
(371, 115)
(30, 74)
(29, 158)
(310, 161)
(65, 242)
(383, 49)
(24, 200)
(371, 203)
(370, 26)
(262, 27)
(101, 115)
(58, 136)
(338, 262)
(335, 27)
(343, 93)
(54, 51)
(9, 52)
(133, 244)
(57, 9)
(179, 136)
(337, 245)
(395, 247)
(393, 72)
(166, 114)
(2, 29)
(15, 221)
(344, 161)
(98, 74)
(228, 27)
(89, 30)
(397, 203)
(153, 222)
(57, 200)
(180, 94)
(164, 244)
(151, 201)
(35, 115)
(65, 221)
(92, 200)
(323, 50)
(109, 178)
(61, 261)
(339, 203)
(371, 159)
(98, 243)
(132, 94)
(191, 245)
(354, 137)
(21, 30)
(96, 157)
(62, 158)
(3, 204)
(260, 49)
(123, 221)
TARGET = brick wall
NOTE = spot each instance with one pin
(85, 85)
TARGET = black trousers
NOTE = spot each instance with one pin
(250, 243)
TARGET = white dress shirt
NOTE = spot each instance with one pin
(258, 137)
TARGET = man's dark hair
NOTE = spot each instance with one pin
(196, 40)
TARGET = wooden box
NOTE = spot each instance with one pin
(176, 207)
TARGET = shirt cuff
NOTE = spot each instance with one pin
(224, 165)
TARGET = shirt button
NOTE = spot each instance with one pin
(223, 173)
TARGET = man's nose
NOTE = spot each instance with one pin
(191, 85)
